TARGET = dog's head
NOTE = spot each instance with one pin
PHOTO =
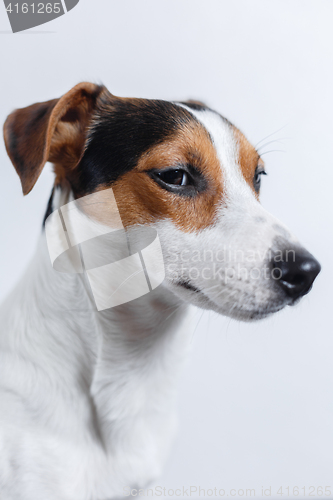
(183, 169)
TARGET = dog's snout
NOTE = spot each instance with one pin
(295, 272)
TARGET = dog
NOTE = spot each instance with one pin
(88, 394)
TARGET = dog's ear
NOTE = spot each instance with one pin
(194, 104)
(52, 131)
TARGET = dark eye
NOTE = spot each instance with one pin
(175, 177)
(183, 180)
(257, 179)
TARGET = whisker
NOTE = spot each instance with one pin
(169, 316)
(270, 135)
(212, 287)
(280, 141)
(195, 329)
(273, 151)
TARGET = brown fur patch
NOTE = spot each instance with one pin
(248, 158)
(49, 131)
(141, 200)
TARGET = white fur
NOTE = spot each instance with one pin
(88, 397)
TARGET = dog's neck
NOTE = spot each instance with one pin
(114, 372)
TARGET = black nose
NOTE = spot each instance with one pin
(295, 272)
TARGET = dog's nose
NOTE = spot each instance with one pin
(295, 272)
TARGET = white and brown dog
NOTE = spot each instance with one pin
(87, 396)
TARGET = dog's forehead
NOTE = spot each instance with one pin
(235, 153)
(220, 130)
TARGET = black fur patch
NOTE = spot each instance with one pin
(186, 284)
(123, 130)
(49, 208)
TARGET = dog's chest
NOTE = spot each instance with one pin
(93, 411)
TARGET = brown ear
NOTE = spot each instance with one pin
(52, 131)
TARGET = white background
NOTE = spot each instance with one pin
(256, 403)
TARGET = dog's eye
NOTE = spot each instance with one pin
(175, 177)
(257, 179)
(182, 180)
